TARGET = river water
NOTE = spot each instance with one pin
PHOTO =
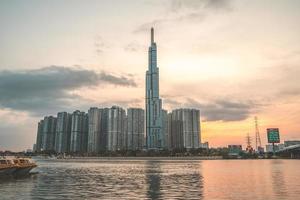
(157, 179)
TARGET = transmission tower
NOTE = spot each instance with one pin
(249, 148)
(257, 135)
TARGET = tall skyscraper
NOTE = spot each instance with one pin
(116, 133)
(135, 128)
(79, 132)
(154, 134)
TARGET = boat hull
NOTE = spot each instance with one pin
(8, 171)
(23, 171)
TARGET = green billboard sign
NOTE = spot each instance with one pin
(273, 135)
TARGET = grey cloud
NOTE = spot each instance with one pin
(172, 103)
(100, 46)
(290, 92)
(223, 110)
(50, 88)
(218, 110)
(219, 4)
(115, 80)
(159, 23)
(286, 79)
(134, 47)
(146, 26)
(179, 5)
(187, 10)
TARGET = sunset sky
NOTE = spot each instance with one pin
(232, 59)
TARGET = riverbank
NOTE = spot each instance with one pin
(134, 158)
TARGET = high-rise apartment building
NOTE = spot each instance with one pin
(154, 135)
(135, 128)
(97, 133)
(185, 128)
(63, 132)
(49, 131)
(39, 136)
(165, 130)
(79, 132)
(116, 129)
(175, 132)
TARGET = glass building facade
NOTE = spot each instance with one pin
(154, 134)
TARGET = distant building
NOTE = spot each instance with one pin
(49, 131)
(97, 129)
(260, 149)
(204, 145)
(135, 128)
(39, 137)
(63, 132)
(234, 150)
(291, 142)
(79, 132)
(185, 128)
(269, 147)
(28, 151)
(280, 146)
(116, 133)
(235, 146)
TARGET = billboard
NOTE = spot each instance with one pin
(273, 135)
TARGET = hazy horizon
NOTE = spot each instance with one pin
(230, 59)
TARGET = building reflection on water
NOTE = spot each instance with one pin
(153, 179)
(278, 178)
(171, 180)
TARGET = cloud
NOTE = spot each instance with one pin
(51, 88)
(288, 81)
(134, 47)
(100, 45)
(225, 5)
(194, 11)
(126, 103)
(146, 26)
(178, 5)
(223, 110)
(217, 110)
(159, 23)
(276, 82)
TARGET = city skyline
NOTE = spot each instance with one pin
(113, 129)
(212, 57)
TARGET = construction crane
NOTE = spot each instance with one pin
(257, 136)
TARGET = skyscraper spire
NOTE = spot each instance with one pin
(152, 35)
